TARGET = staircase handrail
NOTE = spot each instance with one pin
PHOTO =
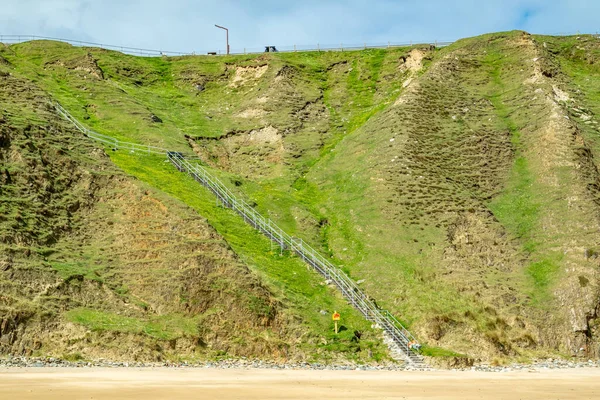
(361, 301)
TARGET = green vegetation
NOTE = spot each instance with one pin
(68, 270)
(164, 327)
(542, 272)
(293, 281)
(430, 351)
(137, 275)
(516, 208)
(446, 180)
(72, 357)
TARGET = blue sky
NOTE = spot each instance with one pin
(187, 25)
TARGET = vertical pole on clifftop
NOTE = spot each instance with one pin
(226, 35)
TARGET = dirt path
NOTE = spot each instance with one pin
(183, 384)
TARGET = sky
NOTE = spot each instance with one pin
(188, 25)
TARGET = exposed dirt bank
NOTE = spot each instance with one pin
(148, 384)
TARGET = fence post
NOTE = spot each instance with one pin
(365, 45)
(341, 47)
(388, 44)
(294, 48)
(318, 48)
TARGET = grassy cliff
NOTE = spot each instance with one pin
(459, 185)
(97, 264)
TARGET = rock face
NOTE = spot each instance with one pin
(86, 65)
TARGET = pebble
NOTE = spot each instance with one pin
(40, 362)
(538, 365)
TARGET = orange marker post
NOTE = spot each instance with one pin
(336, 317)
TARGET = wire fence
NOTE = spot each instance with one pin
(402, 338)
(339, 47)
(15, 39)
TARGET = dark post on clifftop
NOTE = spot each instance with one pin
(227, 35)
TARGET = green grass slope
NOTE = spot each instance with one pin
(459, 185)
(471, 197)
(96, 264)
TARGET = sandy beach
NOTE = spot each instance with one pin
(225, 384)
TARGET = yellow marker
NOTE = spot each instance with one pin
(336, 317)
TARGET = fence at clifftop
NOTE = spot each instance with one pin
(400, 336)
(14, 39)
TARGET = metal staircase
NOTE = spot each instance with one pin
(398, 338)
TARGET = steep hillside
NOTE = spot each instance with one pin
(486, 187)
(96, 264)
(458, 185)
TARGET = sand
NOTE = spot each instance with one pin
(183, 384)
